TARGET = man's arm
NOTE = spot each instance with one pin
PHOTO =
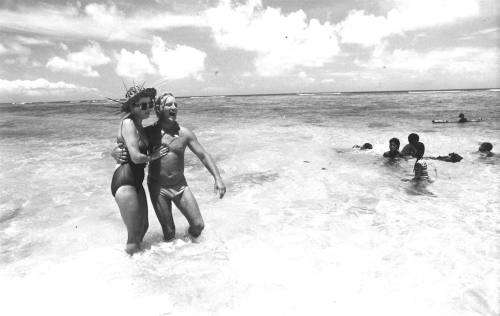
(207, 161)
(120, 153)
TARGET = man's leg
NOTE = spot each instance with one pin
(163, 210)
(189, 208)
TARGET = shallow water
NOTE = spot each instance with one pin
(308, 226)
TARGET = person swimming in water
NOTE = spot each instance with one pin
(485, 149)
(126, 184)
(393, 149)
(166, 180)
(409, 149)
(462, 119)
(421, 166)
(451, 157)
(365, 146)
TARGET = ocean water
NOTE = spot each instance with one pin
(308, 226)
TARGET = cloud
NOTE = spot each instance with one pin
(454, 60)
(95, 21)
(133, 65)
(14, 48)
(80, 62)
(407, 15)
(444, 65)
(26, 40)
(40, 87)
(282, 42)
(179, 62)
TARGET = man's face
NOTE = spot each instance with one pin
(170, 108)
(393, 146)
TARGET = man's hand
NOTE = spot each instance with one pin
(120, 154)
(219, 188)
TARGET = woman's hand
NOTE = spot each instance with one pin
(120, 154)
(219, 188)
(159, 152)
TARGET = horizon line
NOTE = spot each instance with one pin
(283, 93)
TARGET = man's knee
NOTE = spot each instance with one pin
(196, 229)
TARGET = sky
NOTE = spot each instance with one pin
(70, 50)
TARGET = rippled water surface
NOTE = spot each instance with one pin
(308, 226)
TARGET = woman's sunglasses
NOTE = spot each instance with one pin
(145, 105)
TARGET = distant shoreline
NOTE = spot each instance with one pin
(282, 94)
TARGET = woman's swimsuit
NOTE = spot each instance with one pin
(129, 173)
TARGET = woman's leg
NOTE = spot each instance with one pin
(163, 210)
(129, 203)
(189, 208)
(143, 205)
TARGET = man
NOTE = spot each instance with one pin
(393, 149)
(166, 181)
(410, 150)
(462, 119)
(485, 149)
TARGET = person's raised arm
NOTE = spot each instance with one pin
(195, 146)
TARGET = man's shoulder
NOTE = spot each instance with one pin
(184, 131)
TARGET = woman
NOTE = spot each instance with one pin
(126, 185)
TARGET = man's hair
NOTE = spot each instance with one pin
(486, 147)
(413, 138)
(461, 115)
(395, 141)
(420, 150)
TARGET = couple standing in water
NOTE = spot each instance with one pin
(161, 146)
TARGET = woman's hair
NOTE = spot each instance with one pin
(133, 94)
(420, 150)
(395, 141)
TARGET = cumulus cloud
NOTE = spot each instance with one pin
(81, 62)
(133, 65)
(368, 29)
(282, 42)
(179, 62)
(40, 87)
(96, 21)
(458, 60)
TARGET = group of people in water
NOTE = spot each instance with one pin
(161, 146)
(416, 149)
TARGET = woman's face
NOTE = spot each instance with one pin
(142, 107)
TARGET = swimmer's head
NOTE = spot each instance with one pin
(420, 150)
(413, 138)
(485, 147)
(461, 115)
(366, 146)
(394, 144)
